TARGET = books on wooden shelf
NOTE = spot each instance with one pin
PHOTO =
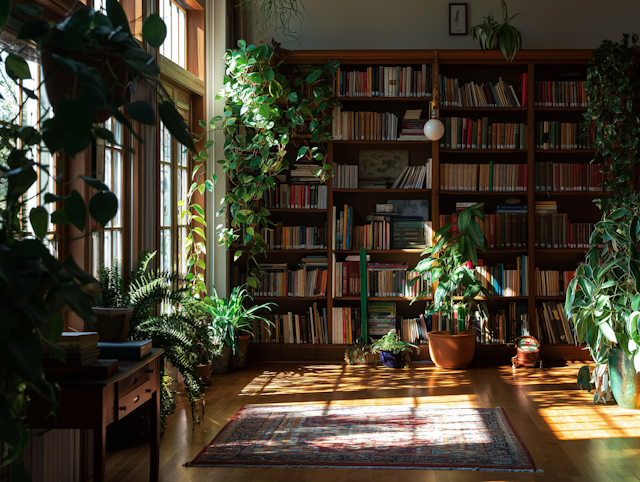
(381, 319)
(345, 176)
(504, 325)
(552, 324)
(555, 230)
(346, 325)
(125, 350)
(364, 126)
(556, 135)
(505, 279)
(466, 133)
(483, 177)
(560, 93)
(294, 196)
(415, 330)
(293, 237)
(306, 327)
(558, 177)
(412, 128)
(453, 93)
(414, 177)
(275, 279)
(385, 81)
(553, 282)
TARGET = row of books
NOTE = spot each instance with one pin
(556, 135)
(415, 330)
(309, 280)
(553, 282)
(466, 133)
(414, 177)
(293, 237)
(483, 177)
(552, 324)
(412, 127)
(381, 319)
(560, 93)
(470, 94)
(364, 126)
(292, 327)
(505, 325)
(556, 231)
(505, 279)
(558, 177)
(382, 81)
(294, 196)
(501, 230)
(346, 325)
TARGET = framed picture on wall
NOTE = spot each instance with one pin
(457, 19)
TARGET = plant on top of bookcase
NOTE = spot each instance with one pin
(491, 34)
(604, 300)
(449, 264)
(264, 112)
(613, 89)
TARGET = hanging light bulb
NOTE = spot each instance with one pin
(433, 128)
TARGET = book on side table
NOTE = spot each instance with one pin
(126, 350)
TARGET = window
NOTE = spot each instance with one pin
(175, 45)
(16, 107)
(108, 244)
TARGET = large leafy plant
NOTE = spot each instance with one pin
(265, 113)
(35, 287)
(505, 36)
(448, 264)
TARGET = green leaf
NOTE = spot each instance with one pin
(265, 111)
(584, 379)
(175, 124)
(142, 112)
(39, 218)
(59, 216)
(17, 67)
(116, 14)
(154, 30)
(76, 210)
(95, 183)
(293, 97)
(35, 30)
(5, 11)
(103, 206)
(237, 255)
(313, 76)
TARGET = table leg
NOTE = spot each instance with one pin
(99, 452)
(154, 427)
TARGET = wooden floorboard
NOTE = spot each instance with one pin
(568, 437)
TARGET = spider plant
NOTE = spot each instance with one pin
(491, 33)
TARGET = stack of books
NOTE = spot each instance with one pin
(382, 318)
(346, 325)
(364, 126)
(470, 94)
(382, 81)
(414, 177)
(415, 330)
(554, 135)
(553, 326)
(465, 133)
(411, 232)
(412, 126)
(567, 93)
(304, 171)
(558, 177)
(483, 177)
(81, 348)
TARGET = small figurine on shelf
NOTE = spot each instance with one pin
(527, 350)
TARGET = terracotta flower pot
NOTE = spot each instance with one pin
(61, 84)
(452, 351)
(240, 359)
(113, 323)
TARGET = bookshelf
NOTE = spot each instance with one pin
(543, 65)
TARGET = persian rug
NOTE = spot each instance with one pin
(378, 436)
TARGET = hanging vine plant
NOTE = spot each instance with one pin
(265, 114)
(613, 89)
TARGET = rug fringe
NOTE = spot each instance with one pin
(284, 466)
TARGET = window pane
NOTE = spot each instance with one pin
(167, 20)
(166, 196)
(108, 174)
(166, 250)
(182, 261)
(181, 40)
(9, 101)
(175, 30)
(117, 187)
(108, 259)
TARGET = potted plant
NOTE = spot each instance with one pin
(231, 322)
(449, 264)
(112, 308)
(491, 34)
(394, 353)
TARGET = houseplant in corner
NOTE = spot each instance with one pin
(448, 265)
(112, 308)
(491, 34)
(393, 351)
(603, 298)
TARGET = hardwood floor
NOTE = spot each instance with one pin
(569, 438)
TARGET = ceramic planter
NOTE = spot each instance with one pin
(220, 364)
(113, 323)
(625, 382)
(392, 360)
(452, 351)
(240, 359)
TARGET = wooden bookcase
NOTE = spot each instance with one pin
(467, 65)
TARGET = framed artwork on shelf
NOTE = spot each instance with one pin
(457, 19)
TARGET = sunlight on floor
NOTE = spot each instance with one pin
(536, 376)
(342, 378)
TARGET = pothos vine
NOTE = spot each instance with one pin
(265, 113)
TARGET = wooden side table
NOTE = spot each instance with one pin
(95, 403)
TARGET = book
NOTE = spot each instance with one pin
(103, 368)
(84, 358)
(126, 350)
(78, 340)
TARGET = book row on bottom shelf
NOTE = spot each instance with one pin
(560, 177)
(483, 177)
(466, 133)
(552, 324)
(306, 327)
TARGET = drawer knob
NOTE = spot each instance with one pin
(149, 370)
(123, 408)
(135, 380)
(148, 390)
(135, 400)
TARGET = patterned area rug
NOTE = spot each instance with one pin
(379, 436)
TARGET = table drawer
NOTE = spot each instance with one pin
(133, 381)
(129, 402)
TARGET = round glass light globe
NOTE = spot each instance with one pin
(434, 129)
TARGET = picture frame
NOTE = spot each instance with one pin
(458, 19)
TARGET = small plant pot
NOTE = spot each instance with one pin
(220, 364)
(240, 359)
(392, 360)
(625, 382)
(61, 84)
(113, 323)
(205, 373)
(452, 351)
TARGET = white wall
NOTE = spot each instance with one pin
(423, 24)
